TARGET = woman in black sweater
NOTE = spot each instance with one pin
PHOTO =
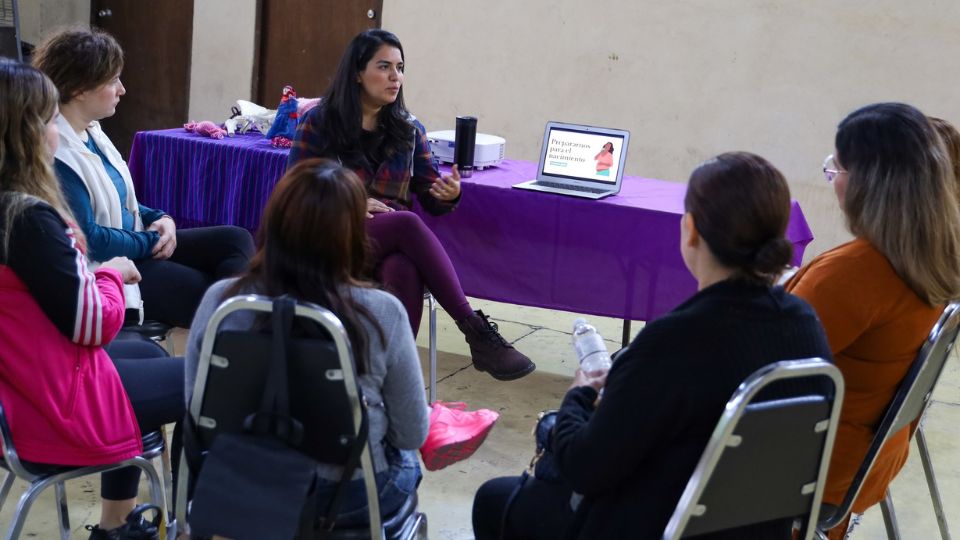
(631, 454)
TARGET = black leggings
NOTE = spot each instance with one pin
(541, 510)
(154, 385)
(172, 289)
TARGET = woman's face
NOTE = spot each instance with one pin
(51, 134)
(608, 147)
(382, 77)
(101, 102)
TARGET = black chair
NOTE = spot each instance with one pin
(155, 331)
(323, 393)
(766, 460)
(40, 477)
(908, 405)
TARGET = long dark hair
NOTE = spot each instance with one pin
(901, 195)
(312, 243)
(741, 207)
(340, 116)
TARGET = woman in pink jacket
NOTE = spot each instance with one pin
(65, 400)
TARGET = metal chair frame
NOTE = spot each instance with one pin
(58, 475)
(332, 325)
(724, 436)
(432, 306)
(908, 404)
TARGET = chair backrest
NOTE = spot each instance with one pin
(766, 460)
(909, 402)
(323, 388)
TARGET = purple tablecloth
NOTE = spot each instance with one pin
(202, 181)
(617, 257)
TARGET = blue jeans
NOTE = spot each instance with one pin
(394, 485)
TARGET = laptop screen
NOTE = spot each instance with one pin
(582, 155)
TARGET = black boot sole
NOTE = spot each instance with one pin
(508, 376)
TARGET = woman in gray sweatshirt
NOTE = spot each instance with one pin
(312, 247)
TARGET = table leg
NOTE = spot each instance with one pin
(625, 340)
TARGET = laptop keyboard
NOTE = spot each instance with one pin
(570, 188)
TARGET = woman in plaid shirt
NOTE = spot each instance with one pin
(363, 123)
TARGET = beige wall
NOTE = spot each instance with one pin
(221, 70)
(38, 17)
(689, 78)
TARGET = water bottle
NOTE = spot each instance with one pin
(590, 348)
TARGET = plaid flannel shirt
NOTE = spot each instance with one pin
(397, 179)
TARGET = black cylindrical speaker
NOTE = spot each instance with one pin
(465, 141)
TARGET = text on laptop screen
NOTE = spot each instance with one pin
(580, 155)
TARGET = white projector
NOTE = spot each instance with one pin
(488, 151)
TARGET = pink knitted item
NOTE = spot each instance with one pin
(207, 128)
(281, 142)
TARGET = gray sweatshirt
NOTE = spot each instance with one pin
(398, 412)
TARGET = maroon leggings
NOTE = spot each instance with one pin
(407, 257)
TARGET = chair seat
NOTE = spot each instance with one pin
(149, 329)
(153, 442)
(400, 524)
(39, 469)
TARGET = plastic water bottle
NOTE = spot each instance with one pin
(590, 348)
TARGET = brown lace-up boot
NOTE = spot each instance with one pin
(492, 353)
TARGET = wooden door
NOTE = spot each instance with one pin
(301, 43)
(157, 42)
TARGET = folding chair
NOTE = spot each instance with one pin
(324, 396)
(908, 405)
(432, 306)
(766, 460)
(40, 477)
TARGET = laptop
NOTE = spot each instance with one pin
(581, 161)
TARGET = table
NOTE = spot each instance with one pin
(616, 257)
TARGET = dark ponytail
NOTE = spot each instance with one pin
(741, 206)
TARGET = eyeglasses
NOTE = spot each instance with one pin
(830, 169)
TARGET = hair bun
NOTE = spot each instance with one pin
(772, 257)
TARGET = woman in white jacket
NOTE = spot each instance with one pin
(177, 266)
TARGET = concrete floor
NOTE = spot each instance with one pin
(446, 496)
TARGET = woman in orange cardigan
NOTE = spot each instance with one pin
(879, 295)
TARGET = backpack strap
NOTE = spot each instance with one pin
(274, 418)
(328, 521)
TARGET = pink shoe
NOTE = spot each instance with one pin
(455, 434)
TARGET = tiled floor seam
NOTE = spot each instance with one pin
(947, 403)
(534, 329)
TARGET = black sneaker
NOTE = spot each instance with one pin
(96, 533)
(136, 527)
